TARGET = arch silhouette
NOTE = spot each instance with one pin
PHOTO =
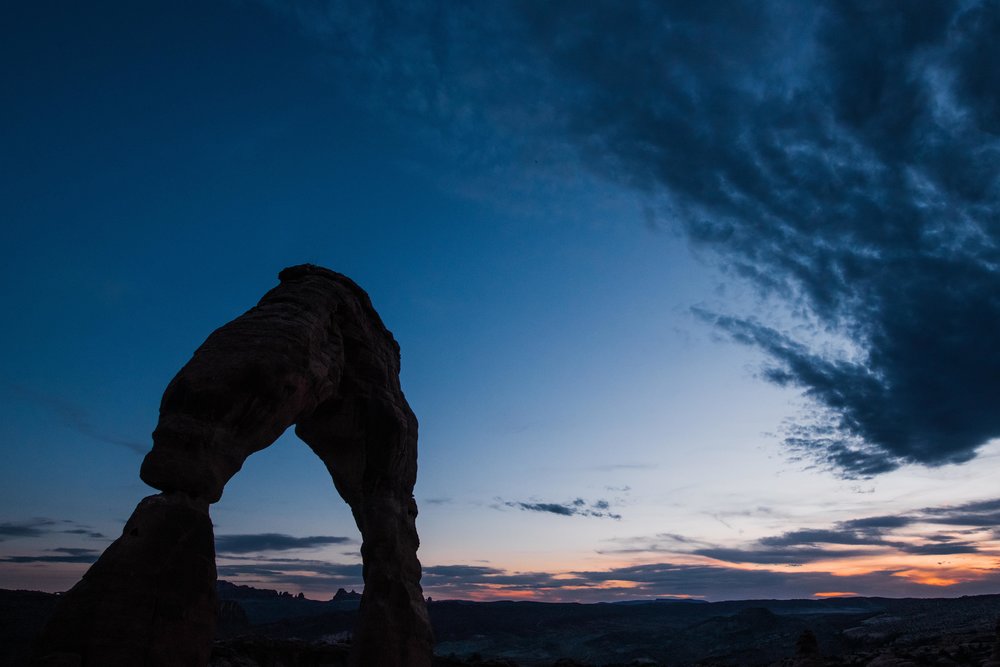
(314, 354)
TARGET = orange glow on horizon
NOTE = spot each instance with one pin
(835, 594)
(496, 592)
(927, 578)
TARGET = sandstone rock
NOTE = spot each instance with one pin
(150, 594)
(313, 353)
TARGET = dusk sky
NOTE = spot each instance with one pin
(694, 298)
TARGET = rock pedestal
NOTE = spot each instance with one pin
(314, 354)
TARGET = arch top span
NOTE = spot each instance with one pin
(312, 353)
(266, 370)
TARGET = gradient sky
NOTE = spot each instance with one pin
(694, 299)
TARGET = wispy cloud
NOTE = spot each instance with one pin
(84, 531)
(291, 573)
(30, 528)
(75, 417)
(40, 526)
(62, 555)
(577, 507)
(260, 542)
(909, 533)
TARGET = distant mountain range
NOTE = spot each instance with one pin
(260, 626)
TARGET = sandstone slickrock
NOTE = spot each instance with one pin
(314, 354)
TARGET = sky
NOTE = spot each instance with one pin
(694, 299)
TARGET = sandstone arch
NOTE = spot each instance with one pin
(313, 353)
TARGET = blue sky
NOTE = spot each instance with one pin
(688, 296)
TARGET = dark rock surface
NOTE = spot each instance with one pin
(22, 616)
(313, 353)
(150, 598)
(792, 633)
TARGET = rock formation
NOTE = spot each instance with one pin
(315, 354)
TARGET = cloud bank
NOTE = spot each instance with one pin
(259, 542)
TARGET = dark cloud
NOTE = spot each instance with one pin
(934, 548)
(460, 571)
(576, 507)
(32, 528)
(810, 536)
(903, 533)
(39, 527)
(84, 531)
(295, 575)
(713, 582)
(843, 157)
(291, 573)
(724, 583)
(63, 555)
(660, 543)
(772, 556)
(877, 522)
(983, 513)
(241, 544)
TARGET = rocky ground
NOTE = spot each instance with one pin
(271, 629)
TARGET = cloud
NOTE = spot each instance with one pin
(83, 531)
(576, 507)
(464, 572)
(63, 555)
(252, 543)
(877, 522)
(906, 533)
(813, 536)
(772, 556)
(291, 573)
(33, 528)
(939, 548)
(75, 418)
(669, 579)
(39, 527)
(982, 513)
(928, 531)
(842, 157)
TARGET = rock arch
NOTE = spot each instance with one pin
(314, 354)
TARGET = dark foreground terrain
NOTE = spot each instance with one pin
(270, 629)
